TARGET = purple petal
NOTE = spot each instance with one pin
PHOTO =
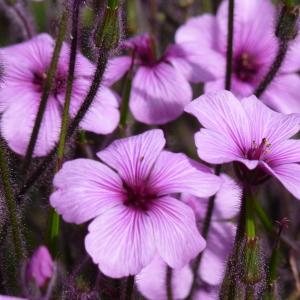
(133, 157)
(284, 153)
(85, 189)
(103, 116)
(121, 241)
(283, 94)
(18, 120)
(159, 94)
(288, 175)
(116, 69)
(180, 175)
(214, 257)
(223, 113)
(177, 238)
(151, 281)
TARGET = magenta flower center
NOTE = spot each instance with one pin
(245, 67)
(257, 152)
(139, 197)
(59, 84)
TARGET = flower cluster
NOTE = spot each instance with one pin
(161, 211)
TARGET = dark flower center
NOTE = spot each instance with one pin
(58, 86)
(257, 152)
(245, 67)
(138, 197)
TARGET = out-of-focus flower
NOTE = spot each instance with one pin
(251, 134)
(25, 66)
(151, 281)
(2, 297)
(255, 47)
(40, 267)
(159, 91)
(135, 215)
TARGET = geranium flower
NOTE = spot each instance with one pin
(25, 66)
(151, 281)
(131, 199)
(250, 133)
(159, 91)
(254, 50)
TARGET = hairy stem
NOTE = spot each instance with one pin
(11, 206)
(129, 289)
(55, 220)
(229, 51)
(282, 50)
(46, 92)
(169, 276)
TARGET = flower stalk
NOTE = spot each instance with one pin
(286, 31)
(46, 91)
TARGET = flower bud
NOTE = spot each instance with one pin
(252, 261)
(287, 26)
(108, 32)
(40, 267)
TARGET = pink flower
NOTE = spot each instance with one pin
(250, 133)
(11, 298)
(151, 281)
(26, 65)
(255, 47)
(159, 91)
(132, 203)
(40, 267)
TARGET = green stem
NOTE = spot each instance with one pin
(113, 4)
(250, 222)
(229, 52)
(46, 91)
(11, 206)
(262, 215)
(55, 221)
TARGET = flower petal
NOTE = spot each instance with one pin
(85, 189)
(177, 238)
(103, 116)
(133, 157)
(159, 94)
(180, 175)
(116, 69)
(223, 113)
(283, 94)
(266, 123)
(121, 241)
(214, 257)
(288, 175)
(151, 281)
(18, 120)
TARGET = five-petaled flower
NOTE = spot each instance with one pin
(159, 91)
(26, 66)
(132, 201)
(254, 50)
(251, 134)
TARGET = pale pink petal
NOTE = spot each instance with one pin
(11, 298)
(201, 30)
(253, 28)
(159, 94)
(215, 148)
(116, 69)
(283, 94)
(133, 157)
(18, 120)
(85, 189)
(121, 241)
(177, 238)
(214, 258)
(180, 175)
(198, 64)
(266, 123)
(223, 113)
(292, 60)
(284, 153)
(103, 116)
(151, 281)
(288, 175)
(207, 293)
